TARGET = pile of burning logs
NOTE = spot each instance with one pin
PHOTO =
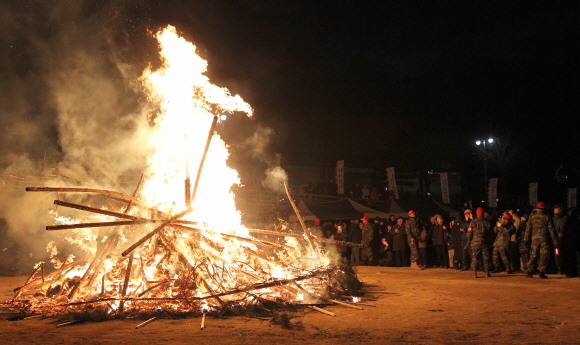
(179, 267)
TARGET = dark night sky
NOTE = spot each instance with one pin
(380, 83)
(339, 77)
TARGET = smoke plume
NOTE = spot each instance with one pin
(69, 103)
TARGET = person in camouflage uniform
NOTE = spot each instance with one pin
(478, 232)
(524, 249)
(538, 231)
(504, 230)
(412, 228)
(367, 237)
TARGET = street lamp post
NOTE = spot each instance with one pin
(479, 143)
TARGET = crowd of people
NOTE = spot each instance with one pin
(538, 243)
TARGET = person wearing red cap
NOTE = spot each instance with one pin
(539, 230)
(413, 230)
(316, 230)
(367, 237)
(478, 232)
(504, 229)
(465, 245)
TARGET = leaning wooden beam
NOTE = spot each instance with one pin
(306, 230)
(321, 310)
(94, 210)
(146, 322)
(126, 282)
(209, 136)
(83, 190)
(119, 223)
(54, 273)
(345, 304)
(95, 262)
(99, 224)
(29, 279)
(155, 231)
(97, 270)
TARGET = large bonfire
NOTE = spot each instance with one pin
(177, 244)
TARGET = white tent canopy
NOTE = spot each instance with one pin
(367, 211)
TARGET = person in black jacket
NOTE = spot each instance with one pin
(456, 244)
(376, 242)
(399, 244)
(438, 233)
(355, 236)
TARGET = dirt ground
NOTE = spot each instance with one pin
(431, 306)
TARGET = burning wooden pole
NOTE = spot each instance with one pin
(187, 179)
(126, 283)
(100, 224)
(94, 210)
(96, 260)
(29, 279)
(209, 136)
(306, 230)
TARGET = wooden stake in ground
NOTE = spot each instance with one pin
(203, 321)
(146, 322)
(306, 231)
(321, 310)
(67, 323)
(345, 304)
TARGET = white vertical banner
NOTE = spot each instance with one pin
(572, 194)
(340, 176)
(534, 194)
(492, 192)
(392, 182)
(444, 177)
